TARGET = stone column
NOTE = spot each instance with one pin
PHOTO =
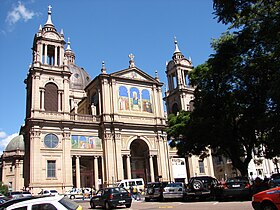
(46, 54)
(128, 167)
(152, 169)
(55, 55)
(96, 172)
(78, 175)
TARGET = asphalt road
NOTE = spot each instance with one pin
(137, 205)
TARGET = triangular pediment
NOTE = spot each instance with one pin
(133, 74)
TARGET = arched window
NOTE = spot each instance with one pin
(175, 109)
(51, 97)
(146, 102)
(123, 98)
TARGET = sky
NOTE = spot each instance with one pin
(100, 30)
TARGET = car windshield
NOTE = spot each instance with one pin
(119, 190)
(275, 176)
(237, 179)
(67, 203)
(153, 185)
(53, 191)
(174, 185)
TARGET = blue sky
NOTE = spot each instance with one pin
(100, 30)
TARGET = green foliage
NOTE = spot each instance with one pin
(237, 95)
(3, 189)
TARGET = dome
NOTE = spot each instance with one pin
(79, 78)
(15, 144)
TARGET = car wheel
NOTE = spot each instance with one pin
(268, 206)
(197, 185)
(92, 205)
(72, 197)
(151, 191)
(107, 205)
(128, 205)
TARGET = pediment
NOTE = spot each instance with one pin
(133, 74)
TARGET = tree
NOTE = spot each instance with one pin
(237, 95)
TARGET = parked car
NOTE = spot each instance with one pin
(111, 197)
(274, 181)
(26, 194)
(267, 200)
(203, 187)
(14, 194)
(50, 203)
(78, 193)
(237, 187)
(176, 190)
(154, 190)
(48, 192)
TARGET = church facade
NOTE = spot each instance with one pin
(83, 132)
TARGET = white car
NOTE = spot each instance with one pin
(78, 193)
(50, 203)
(48, 192)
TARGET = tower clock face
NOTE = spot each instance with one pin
(51, 140)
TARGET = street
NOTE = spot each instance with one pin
(234, 205)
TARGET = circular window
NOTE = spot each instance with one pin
(51, 140)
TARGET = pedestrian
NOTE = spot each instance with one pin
(83, 192)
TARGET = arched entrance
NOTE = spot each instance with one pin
(140, 161)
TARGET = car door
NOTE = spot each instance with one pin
(98, 199)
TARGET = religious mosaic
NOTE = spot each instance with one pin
(134, 100)
(85, 142)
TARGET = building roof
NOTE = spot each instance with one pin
(17, 143)
(79, 78)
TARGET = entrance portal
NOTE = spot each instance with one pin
(140, 167)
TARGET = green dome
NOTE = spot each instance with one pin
(15, 144)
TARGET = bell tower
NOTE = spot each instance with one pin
(179, 95)
(48, 77)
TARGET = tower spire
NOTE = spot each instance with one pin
(49, 21)
(176, 46)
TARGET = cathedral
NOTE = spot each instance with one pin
(84, 132)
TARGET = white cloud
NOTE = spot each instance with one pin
(19, 12)
(5, 139)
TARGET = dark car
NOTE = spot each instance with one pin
(111, 197)
(267, 200)
(203, 187)
(154, 190)
(274, 180)
(237, 187)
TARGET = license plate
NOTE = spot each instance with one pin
(121, 201)
(236, 185)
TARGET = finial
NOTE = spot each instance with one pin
(131, 61)
(176, 45)
(156, 75)
(49, 21)
(40, 27)
(68, 45)
(103, 69)
(61, 32)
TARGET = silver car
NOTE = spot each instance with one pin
(176, 190)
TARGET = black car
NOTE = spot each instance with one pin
(274, 180)
(111, 197)
(237, 188)
(203, 187)
(154, 190)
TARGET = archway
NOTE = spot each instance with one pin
(140, 167)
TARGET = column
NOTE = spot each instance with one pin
(128, 167)
(55, 55)
(46, 54)
(152, 169)
(78, 175)
(96, 172)
(43, 99)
